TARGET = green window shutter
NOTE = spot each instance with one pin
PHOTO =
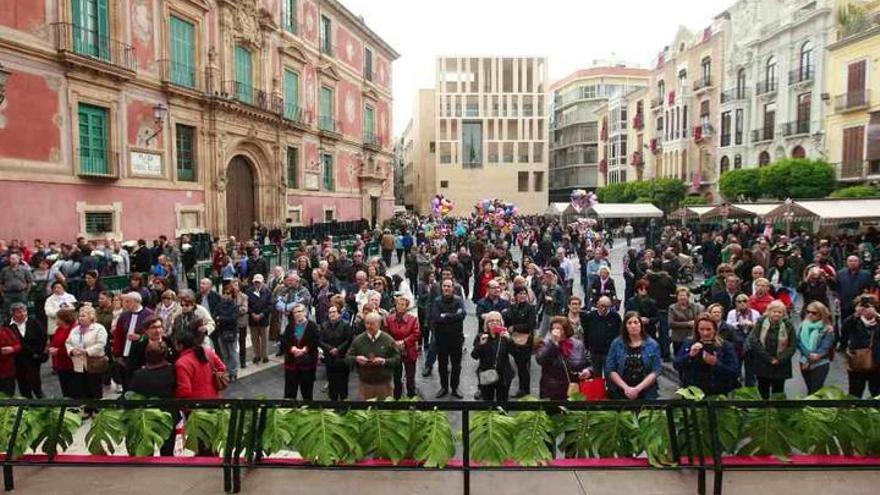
(103, 29)
(290, 16)
(186, 163)
(368, 64)
(243, 75)
(369, 133)
(183, 72)
(292, 168)
(93, 139)
(292, 109)
(328, 172)
(326, 109)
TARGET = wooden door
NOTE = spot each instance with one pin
(240, 208)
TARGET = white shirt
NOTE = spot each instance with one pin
(132, 326)
(22, 327)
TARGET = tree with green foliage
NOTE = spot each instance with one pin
(695, 201)
(740, 185)
(796, 178)
(862, 191)
(666, 194)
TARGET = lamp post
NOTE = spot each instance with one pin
(4, 76)
(788, 216)
(159, 113)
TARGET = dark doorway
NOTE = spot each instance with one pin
(240, 208)
(374, 211)
(798, 152)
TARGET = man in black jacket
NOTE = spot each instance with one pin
(600, 329)
(447, 315)
(33, 338)
(727, 298)
(521, 321)
(662, 291)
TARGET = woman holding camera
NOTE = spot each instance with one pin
(707, 361)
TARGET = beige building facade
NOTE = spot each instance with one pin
(491, 133)
(419, 154)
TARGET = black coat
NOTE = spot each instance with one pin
(448, 315)
(310, 339)
(156, 382)
(495, 353)
(726, 301)
(33, 344)
(600, 331)
(337, 336)
(259, 303)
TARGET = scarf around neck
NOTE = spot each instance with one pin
(810, 333)
(781, 338)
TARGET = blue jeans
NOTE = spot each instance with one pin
(663, 333)
(431, 352)
(229, 355)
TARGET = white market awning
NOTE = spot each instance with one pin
(691, 212)
(624, 210)
(741, 210)
(829, 211)
(556, 209)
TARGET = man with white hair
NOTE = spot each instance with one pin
(375, 355)
(129, 328)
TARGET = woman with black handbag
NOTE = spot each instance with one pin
(860, 340)
(494, 372)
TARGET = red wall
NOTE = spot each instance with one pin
(142, 34)
(313, 207)
(140, 122)
(383, 122)
(23, 15)
(349, 49)
(48, 211)
(310, 21)
(27, 118)
(350, 109)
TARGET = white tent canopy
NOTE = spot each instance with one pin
(691, 212)
(624, 210)
(556, 209)
(830, 211)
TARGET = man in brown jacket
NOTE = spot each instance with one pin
(388, 240)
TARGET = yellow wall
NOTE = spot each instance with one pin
(862, 46)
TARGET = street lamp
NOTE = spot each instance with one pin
(788, 215)
(4, 76)
(159, 113)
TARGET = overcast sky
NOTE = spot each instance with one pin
(570, 33)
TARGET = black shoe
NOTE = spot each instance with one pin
(426, 373)
(442, 393)
(478, 395)
(457, 394)
(243, 365)
(265, 360)
(520, 394)
(256, 360)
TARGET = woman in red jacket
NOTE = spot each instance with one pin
(195, 368)
(404, 329)
(10, 346)
(482, 280)
(62, 365)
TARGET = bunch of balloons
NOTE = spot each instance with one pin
(582, 199)
(442, 205)
(496, 211)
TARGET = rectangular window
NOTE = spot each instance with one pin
(369, 119)
(99, 222)
(326, 35)
(738, 132)
(93, 139)
(472, 144)
(804, 107)
(853, 152)
(292, 167)
(769, 120)
(289, 16)
(327, 172)
(368, 64)
(326, 121)
(329, 214)
(725, 129)
(523, 181)
(186, 156)
(444, 184)
(91, 28)
(244, 90)
(292, 110)
(539, 181)
(183, 66)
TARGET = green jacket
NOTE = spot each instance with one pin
(383, 347)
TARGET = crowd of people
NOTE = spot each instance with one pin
(769, 305)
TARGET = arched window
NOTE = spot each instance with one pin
(770, 73)
(763, 159)
(741, 84)
(798, 152)
(737, 162)
(725, 164)
(805, 71)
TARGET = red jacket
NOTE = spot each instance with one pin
(195, 379)
(7, 361)
(760, 304)
(408, 331)
(61, 360)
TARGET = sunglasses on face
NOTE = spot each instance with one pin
(812, 312)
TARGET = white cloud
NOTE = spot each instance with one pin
(570, 33)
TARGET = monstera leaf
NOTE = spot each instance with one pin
(613, 433)
(385, 434)
(433, 439)
(278, 432)
(49, 432)
(106, 432)
(533, 437)
(324, 437)
(491, 436)
(653, 437)
(146, 429)
(574, 428)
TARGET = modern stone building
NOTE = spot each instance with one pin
(772, 103)
(575, 159)
(134, 118)
(419, 154)
(490, 133)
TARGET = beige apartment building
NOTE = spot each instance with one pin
(575, 157)
(624, 137)
(419, 154)
(490, 135)
(685, 101)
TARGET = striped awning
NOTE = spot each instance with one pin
(741, 210)
(829, 211)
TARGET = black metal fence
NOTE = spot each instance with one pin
(695, 440)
